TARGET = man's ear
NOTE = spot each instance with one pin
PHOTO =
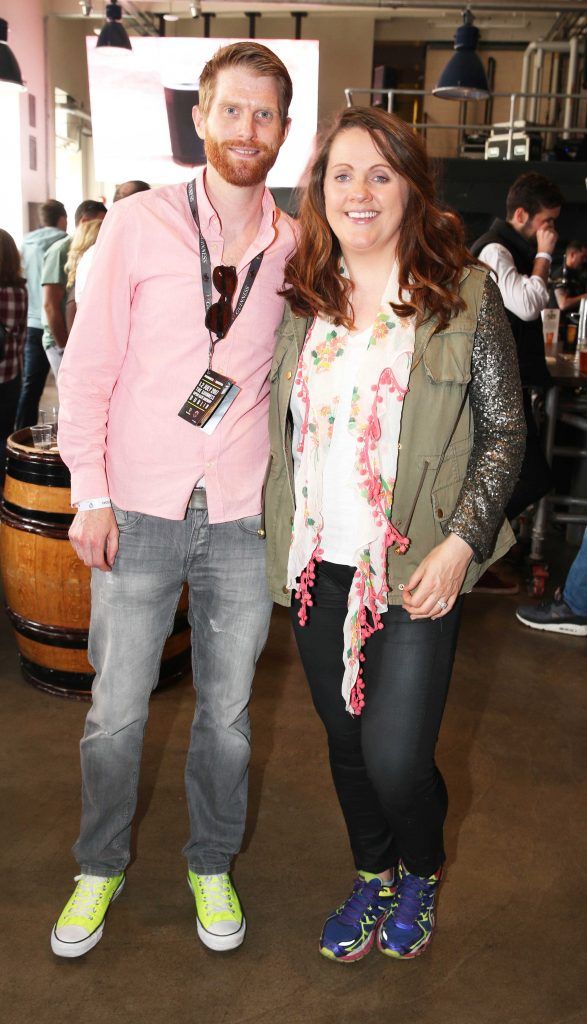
(520, 216)
(286, 128)
(199, 122)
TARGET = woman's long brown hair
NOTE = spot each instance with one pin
(431, 249)
(10, 268)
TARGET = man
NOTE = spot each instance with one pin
(35, 367)
(519, 250)
(123, 191)
(129, 188)
(54, 281)
(567, 612)
(569, 288)
(162, 500)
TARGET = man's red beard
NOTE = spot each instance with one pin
(241, 171)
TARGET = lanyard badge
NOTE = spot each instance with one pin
(214, 393)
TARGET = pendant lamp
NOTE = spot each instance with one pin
(464, 77)
(114, 33)
(10, 75)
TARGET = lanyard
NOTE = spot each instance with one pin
(206, 267)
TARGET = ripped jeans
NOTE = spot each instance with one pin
(133, 609)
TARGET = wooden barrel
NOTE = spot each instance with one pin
(46, 587)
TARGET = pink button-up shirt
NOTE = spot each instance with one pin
(138, 347)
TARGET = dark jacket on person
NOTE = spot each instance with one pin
(527, 334)
(461, 439)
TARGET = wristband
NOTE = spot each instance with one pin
(543, 256)
(84, 506)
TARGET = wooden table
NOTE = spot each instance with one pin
(560, 406)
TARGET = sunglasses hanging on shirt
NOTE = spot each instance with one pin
(214, 393)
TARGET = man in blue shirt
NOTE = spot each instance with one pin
(35, 362)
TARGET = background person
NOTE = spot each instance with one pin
(569, 288)
(54, 282)
(123, 191)
(567, 611)
(35, 363)
(519, 250)
(13, 327)
(160, 501)
(404, 439)
(85, 236)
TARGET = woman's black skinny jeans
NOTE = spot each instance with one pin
(392, 795)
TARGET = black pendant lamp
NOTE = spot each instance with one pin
(464, 77)
(114, 33)
(9, 70)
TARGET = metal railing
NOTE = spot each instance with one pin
(509, 126)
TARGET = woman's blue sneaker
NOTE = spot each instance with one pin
(349, 933)
(409, 925)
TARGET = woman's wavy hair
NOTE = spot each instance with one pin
(85, 236)
(431, 250)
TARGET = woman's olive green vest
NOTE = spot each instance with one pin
(436, 437)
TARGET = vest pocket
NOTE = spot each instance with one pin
(447, 357)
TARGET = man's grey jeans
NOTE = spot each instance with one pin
(133, 609)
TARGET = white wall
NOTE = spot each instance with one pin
(26, 40)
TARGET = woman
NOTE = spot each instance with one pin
(13, 323)
(396, 423)
(85, 236)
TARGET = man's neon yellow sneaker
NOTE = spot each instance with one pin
(81, 923)
(220, 921)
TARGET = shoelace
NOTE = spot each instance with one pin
(362, 896)
(216, 893)
(86, 896)
(413, 897)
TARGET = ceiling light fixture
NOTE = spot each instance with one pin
(464, 77)
(86, 8)
(10, 75)
(195, 9)
(114, 33)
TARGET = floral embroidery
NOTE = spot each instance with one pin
(380, 329)
(327, 351)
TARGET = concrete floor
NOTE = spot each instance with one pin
(510, 945)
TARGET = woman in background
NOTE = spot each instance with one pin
(396, 436)
(13, 325)
(85, 236)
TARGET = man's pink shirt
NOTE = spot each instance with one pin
(139, 346)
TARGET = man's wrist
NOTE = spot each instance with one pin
(543, 256)
(93, 503)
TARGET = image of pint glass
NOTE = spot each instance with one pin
(550, 322)
(186, 147)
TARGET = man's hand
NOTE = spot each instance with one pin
(546, 238)
(439, 577)
(94, 537)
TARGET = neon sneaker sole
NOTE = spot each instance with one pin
(411, 954)
(357, 954)
(74, 949)
(218, 943)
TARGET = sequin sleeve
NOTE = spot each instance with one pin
(499, 428)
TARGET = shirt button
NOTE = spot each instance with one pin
(401, 586)
(439, 513)
(285, 590)
(288, 375)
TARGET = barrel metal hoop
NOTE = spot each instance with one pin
(53, 636)
(57, 682)
(30, 472)
(49, 524)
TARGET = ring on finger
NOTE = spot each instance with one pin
(442, 604)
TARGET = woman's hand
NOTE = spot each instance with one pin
(434, 586)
